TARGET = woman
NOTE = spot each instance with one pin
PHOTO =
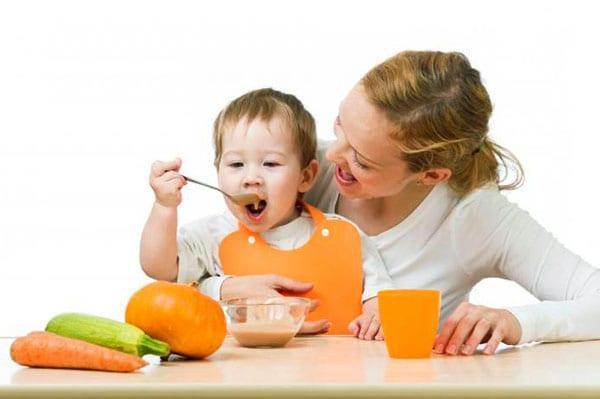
(414, 168)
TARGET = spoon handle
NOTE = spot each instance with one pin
(206, 185)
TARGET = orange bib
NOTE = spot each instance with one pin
(331, 260)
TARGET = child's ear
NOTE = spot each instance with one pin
(309, 174)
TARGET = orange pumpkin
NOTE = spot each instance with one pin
(190, 322)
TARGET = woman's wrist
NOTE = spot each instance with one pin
(513, 335)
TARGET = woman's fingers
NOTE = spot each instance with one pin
(480, 331)
(441, 342)
(494, 341)
(379, 336)
(461, 333)
(471, 325)
(498, 336)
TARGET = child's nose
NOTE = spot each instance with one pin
(252, 179)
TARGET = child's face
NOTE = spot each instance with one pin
(261, 157)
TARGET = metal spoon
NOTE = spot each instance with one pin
(240, 199)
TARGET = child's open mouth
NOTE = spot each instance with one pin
(256, 211)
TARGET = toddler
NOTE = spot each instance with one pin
(265, 144)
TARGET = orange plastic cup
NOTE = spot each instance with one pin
(409, 319)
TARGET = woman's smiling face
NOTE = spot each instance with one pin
(368, 163)
(261, 157)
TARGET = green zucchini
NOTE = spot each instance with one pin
(108, 333)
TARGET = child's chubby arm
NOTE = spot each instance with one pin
(158, 248)
(375, 278)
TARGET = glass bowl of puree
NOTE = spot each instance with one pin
(266, 322)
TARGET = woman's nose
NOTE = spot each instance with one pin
(336, 150)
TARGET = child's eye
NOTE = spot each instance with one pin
(272, 164)
(357, 162)
(235, 164)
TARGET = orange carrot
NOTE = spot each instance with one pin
(44, 349)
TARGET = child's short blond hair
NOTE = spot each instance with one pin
(267, 104)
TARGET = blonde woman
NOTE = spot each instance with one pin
(413, 166)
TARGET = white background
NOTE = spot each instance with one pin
(92, 92)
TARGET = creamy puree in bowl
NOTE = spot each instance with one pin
(274, 333)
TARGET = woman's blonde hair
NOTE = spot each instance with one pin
(265, 104)
(441, 111)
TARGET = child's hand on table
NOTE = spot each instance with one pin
(367, 326)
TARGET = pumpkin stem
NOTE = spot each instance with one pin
(194, 284)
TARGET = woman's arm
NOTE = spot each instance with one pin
(494, 238)
(568, 286)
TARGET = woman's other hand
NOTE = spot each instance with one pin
(471, 325)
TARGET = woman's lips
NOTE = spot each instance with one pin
(344, 178)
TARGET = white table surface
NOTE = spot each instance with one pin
(326, 366)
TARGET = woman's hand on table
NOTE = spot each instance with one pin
(367, 326)
(470, 325)
(270, 285)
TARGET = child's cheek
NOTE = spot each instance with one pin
(227, 182)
